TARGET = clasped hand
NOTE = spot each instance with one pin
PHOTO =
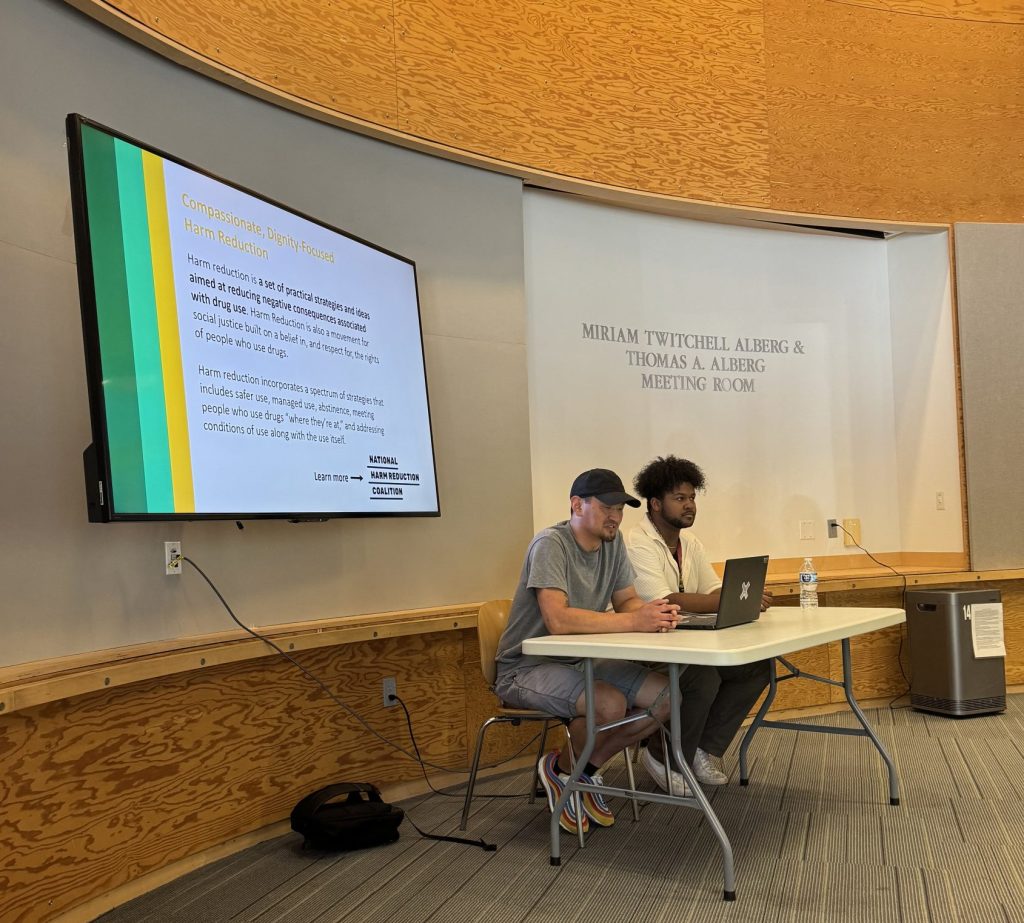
(657, 615)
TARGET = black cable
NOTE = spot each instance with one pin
(899, 656)
(903, 606)
(337, 701)
(415, 746)
(487, 847)
(899, 660)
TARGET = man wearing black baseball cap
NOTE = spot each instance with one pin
(605, 485)
(573, 571)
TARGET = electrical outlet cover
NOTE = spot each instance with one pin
(389, 687)
(172, 558)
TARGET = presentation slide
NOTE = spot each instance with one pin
(253, 360)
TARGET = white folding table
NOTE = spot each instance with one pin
(781, 630)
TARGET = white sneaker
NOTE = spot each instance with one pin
(707, 769)
(656, 770)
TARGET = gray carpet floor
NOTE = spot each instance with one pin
(813, 834)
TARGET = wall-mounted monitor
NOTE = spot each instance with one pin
(244, 360)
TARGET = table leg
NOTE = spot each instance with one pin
(675, 702)
(846, 685)
(773, 687)
(894, 785)
(581, 761)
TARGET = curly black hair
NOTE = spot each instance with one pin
(663, 475)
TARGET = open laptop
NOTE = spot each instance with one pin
(740, 599)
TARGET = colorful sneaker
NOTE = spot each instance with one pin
(656, 769)
(707, 768)
(594, 805)
(554, 783)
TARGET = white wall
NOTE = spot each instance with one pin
(815, 438)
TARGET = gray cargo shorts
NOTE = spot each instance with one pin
(555, 687)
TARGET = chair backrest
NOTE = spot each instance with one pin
(490, 624)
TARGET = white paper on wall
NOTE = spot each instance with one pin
(986, 629)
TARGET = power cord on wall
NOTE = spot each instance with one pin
(903, 605)
(416, 755)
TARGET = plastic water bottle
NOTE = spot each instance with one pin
(808, 585)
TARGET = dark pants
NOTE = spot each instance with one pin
(715, 702)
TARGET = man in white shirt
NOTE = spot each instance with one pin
(670, 563)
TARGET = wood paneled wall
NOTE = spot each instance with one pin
(895, 109)
(104, 788)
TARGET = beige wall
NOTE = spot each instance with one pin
(990, 278)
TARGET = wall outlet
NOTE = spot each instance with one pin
(172, 558)
(940, 500)
(833, 528)
(389, 688)
(806, 529)
(851, 537)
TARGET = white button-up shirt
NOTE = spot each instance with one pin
(658, 574)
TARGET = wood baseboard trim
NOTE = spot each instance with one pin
(30, 684)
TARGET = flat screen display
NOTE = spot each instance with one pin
(244, 360)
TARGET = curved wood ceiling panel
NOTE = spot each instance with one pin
(340, 56)
(967, 10)
(652, 96)
(902, 116)
(827, 107)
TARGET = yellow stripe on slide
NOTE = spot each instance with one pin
(167, 325)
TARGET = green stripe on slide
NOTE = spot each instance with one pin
(149, 379)
(121, 409)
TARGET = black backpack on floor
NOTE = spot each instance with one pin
(363, 819)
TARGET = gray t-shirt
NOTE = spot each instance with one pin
(555, 561)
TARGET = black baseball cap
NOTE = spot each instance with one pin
(605, 485)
